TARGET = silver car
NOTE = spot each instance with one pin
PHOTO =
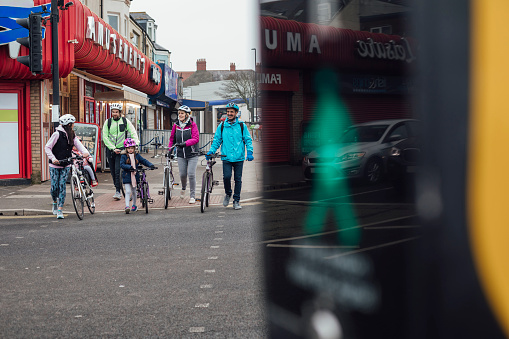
(362, 152)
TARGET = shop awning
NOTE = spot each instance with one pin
(194, 104)
(95, 79)
(125, 94)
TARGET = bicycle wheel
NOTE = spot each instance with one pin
(89, 197)
(204, 192)
(121, 184)
(166, 187)
(209, 190)
(145, 196)
(77, 201)
(171, 183)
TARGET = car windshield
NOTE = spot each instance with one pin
(370, 133)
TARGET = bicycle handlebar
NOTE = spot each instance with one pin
(215, 155)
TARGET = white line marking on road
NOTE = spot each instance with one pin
(220, 226)
(30, 216)
(202, 305)
(220, 216)
(222, 212)
(214, 246)
(389, 227)
(212, 258)
(371, 248)
(309, 246)
(336, 231)
(210, 271)
(205, 286)
(4, 244)
(218, 239)
(337, 203)
(197, 329)
(219, 231)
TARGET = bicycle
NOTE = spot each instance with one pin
(208, 182)
(81, 190)
(142, 187)
(168, 178)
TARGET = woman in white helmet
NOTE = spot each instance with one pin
(185, 135)
(59, 147)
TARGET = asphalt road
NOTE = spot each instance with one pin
(168, 274)
(343, 252)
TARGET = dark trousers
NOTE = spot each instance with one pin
(236, 167)
(114, 160)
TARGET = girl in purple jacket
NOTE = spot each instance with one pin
(185, 136)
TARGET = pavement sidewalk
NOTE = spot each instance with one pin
(36, 200)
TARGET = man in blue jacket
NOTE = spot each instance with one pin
(233, 137)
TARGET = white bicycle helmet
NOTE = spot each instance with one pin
(67, 119)
(116, 105)
(184, 108)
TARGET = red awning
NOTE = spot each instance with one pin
(82, 49)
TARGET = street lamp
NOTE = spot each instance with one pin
(255, 103)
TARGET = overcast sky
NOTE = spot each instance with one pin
(220, 31)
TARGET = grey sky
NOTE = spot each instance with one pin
(220, 31)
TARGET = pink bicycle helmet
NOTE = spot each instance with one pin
(128, 142)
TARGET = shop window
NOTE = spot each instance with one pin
(381, 29)
(113, 21)
(135, 39)
(89, 90)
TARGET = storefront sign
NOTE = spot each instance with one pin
(278, 80)
(388, 51)
(89, 136)
(375, 84)
(170, 82)
(102, 36)
(293, 42)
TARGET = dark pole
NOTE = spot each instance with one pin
(255, 103)
(55, 112)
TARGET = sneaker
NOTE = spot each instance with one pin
(236, 205)
(54, 208)
(127, 210)
(94, 183)
(117, 196)
(192, 200)
(134, 208)
(226, 200)
(182, 194)
(60, 214)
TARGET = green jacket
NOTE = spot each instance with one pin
(114, 136)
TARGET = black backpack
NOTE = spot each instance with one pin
(124, 120)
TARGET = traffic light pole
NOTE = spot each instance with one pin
(55, 112)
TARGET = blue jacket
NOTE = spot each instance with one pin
(232, 141)
(126, 173)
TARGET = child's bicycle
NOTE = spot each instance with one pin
(142, 188)
(168, 178)
(81, 190)
(208, 182)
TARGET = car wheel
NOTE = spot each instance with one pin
(374, 171)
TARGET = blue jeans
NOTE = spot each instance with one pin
(237, 177)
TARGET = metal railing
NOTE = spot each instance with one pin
(150, 137)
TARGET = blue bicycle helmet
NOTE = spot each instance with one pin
(232, 105)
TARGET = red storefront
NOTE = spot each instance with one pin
(88, 45)
(371, 72)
